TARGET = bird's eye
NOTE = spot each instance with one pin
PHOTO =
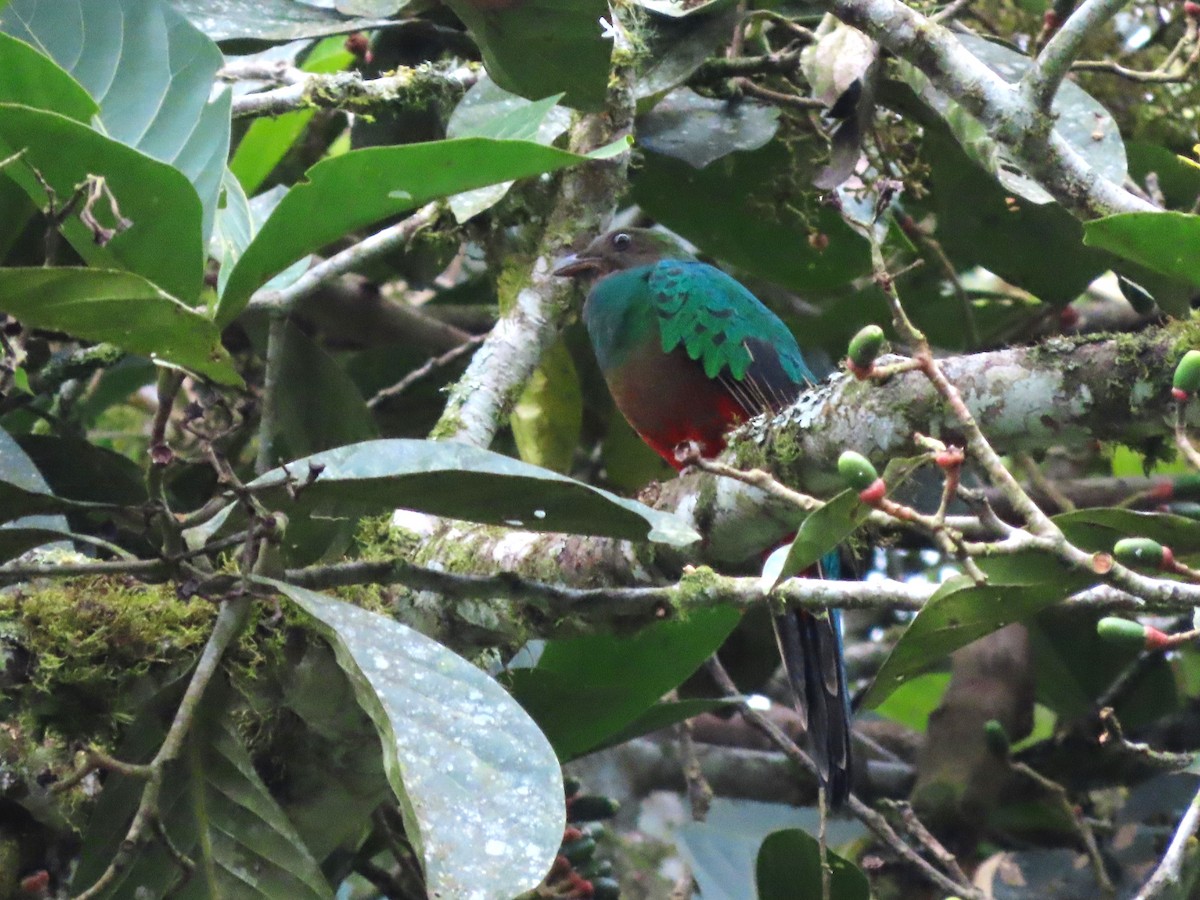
(621, 241)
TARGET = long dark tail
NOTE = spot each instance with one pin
(811, 647)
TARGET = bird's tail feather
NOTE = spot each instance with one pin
(811, 647)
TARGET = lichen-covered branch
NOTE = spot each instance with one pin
(1010, 117)
(348, 91)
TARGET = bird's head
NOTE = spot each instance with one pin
(622, 248)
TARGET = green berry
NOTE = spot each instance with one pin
(605, 889)
(590, 807)
(1187, 375)
(1141, 553)
(579, 851)
(856, 470)
(1116, 630)
(865, 347)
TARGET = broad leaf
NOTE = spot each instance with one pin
(1098, 529)
(23, 491)
(163, 243)
(1167, 242)
(960, 612)
(586, 690)
(30, 78)
(448, 479)
(538, 47)
(215, 808)
(492, 112)
(271, 20)
(481, 791)
(789, 866)
(384, 181)
(699, 129)
(820, 533)
(680, 8)
(121, 308)
(151, 72)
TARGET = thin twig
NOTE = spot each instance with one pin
(388, 394)
(1041, 82)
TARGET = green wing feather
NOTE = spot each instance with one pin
(719, 323)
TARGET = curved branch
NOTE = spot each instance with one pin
(1041, 82)
(1010, 118)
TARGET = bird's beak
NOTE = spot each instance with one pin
(574, 264)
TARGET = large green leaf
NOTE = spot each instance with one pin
(480, 788)
(163, 243)
(215, 808)
(585, 690)
(23, 493)
(1099, 529)
(1166, 242)
(121, 308)
(384, 181)
(820, 532)
(961, 611)
(271, 20)
(487, 110)
(151, 72)
(539, 47)
(789, 867)
(31, 79)
(448, 479)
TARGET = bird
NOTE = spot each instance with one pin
(688, 353)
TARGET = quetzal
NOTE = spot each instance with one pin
(688, 353)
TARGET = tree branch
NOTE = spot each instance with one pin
(1009, 118)
(1041, 82)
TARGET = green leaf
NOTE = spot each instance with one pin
(1166, 242)
(384, 181)
(492, 112)
(1099, 529)
(120, 308)
(84, 471)
(912, 702)
(480, 788)
(677, 47)
(271, 20)
(448, 479)
(822, 531)
(586, 690)
(539, 47)
(215, 808)
(547, 420)
(31, 79)
(960, 612)
(789, 868)
(15, 540)
(151, 72)
(699, 129)
(163, 244)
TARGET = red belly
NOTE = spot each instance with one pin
(669, 401)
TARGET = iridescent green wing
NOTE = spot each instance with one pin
(723, 326)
